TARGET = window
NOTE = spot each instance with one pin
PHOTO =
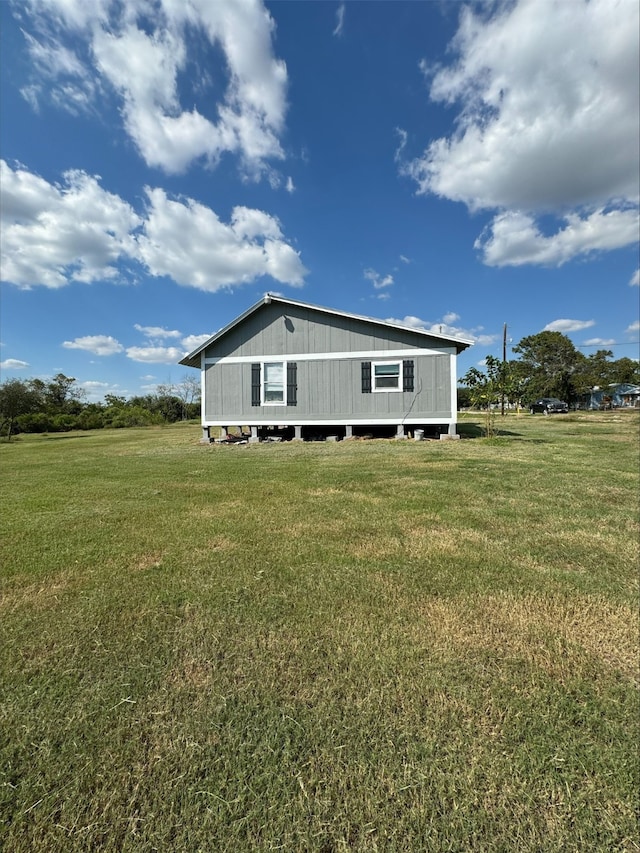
(273, 383)
(386, 376)
(268, 383)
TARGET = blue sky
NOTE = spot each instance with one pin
(447, 165)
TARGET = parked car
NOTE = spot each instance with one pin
(549, 406)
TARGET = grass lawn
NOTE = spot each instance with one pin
(363, 646)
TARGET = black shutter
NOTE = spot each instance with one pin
(292, 383)
(255, 384)
(407, 375)
(366, 377)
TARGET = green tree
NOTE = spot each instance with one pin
(548, 364)
(592, 371)
(625, 370)
(16, 398)
(62, 396)
(598, 370)
(485, 389)
(115, 401)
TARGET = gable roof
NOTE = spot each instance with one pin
(193, 358)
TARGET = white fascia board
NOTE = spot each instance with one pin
(454, 387)
(241, 420)
(376, 355)
(203, 386)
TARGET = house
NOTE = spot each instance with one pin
(620, 395)
(306, 371)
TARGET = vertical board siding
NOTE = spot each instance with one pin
(326, 390)
(274, 330)
(322, 389)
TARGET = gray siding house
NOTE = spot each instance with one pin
(289, 365)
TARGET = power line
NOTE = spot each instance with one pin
(608, 346)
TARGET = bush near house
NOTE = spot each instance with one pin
(28, 406)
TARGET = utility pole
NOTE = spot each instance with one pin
(504, 366)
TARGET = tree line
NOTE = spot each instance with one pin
(33, 405)
(549, 365)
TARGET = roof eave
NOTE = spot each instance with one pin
(193, 360)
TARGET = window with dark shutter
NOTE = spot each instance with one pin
(407, 375)
(255, 384)
(366, 377)
(292, 383)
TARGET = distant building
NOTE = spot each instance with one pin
(305, 370)
(621, 396)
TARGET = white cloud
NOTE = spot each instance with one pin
(404, 259)
(192, 342)
(377, 280)
(290, 186)
(399, 153)
(634, 327)
(186, 241)
(599, 342)
(444, 328)
(568, 325)
(155, 355)
(451, 317)
(62, 75)
(339, 28)
(13, 364)
(548, 116)
(96, 390)
(56, 234)
(410, 321)
(53, 234)
(635, 279)
(86, 46)
(157, 331)
(97, 344)
(513, 238)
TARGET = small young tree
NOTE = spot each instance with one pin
(501, 381)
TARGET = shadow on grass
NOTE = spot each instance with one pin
(476, 430)
(59, 436)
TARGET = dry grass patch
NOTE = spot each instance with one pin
(417, 542)
(147, 561)
(357, 498)
(39, 596)
(555, 635)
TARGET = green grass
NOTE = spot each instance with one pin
(370, 645)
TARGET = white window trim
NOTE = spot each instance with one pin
(375, 390)
(269, 403)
